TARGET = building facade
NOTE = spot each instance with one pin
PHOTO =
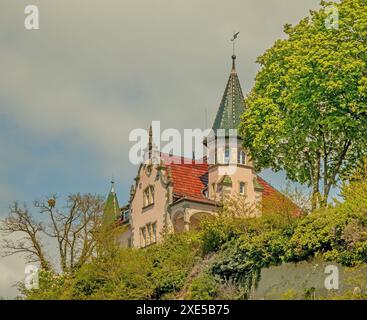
(173, 194)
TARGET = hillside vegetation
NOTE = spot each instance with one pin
(224, 259)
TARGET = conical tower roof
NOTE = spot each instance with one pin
(111, 209)
(232, 105)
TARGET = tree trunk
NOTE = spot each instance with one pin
(316, 183)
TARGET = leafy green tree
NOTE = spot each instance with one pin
(307, 113)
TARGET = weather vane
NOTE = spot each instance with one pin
(235, 35)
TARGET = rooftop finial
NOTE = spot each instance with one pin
(112, 184)
(234, 63)
(235, 35)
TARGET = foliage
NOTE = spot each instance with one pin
(217, 231)
(243, 245)
(277, 211)
(204, 287)
(172, 261)
(307, 113)
(360, 172)
(299, 196)
(125, 273)
(338, 234)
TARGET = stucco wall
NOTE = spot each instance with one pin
(155, 213)
(306, 280)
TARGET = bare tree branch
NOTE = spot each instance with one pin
(72, 228)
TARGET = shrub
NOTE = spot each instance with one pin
(204, 287)
(125, 273)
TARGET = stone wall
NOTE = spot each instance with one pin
(315, 279)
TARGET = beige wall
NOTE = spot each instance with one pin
(155, 213)
(237, 172)
(178, 218)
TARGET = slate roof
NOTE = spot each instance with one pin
(232, 104)
(111, 209)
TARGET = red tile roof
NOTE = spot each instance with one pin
(270, 192)
(268, 189)
(191, 178)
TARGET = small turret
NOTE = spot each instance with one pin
(232, 105)
(111, 211)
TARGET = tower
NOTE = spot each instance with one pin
(231, 170)
(111, 210)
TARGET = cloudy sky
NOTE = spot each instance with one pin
(71, 92)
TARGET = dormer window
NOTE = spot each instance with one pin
(148, 196)
(241, 157)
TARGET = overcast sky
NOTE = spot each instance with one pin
(71, 92)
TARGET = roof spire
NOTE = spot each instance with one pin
(151, 152)
(232, 104)
(111, 210)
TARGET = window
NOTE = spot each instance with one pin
(152, 193)
(154, 232)
(126, 216)
(241, 157)
(219, 188)
(143, 237)
(148, 196)
(242, 188)
(148, 234)
(227, 155)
